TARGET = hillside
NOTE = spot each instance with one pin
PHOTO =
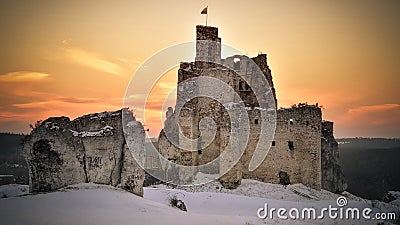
(13, 168)
(371, 165)
(207, 204)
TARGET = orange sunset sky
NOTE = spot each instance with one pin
(69, 58)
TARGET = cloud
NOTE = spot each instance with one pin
(66, 41)
(380, 120)
(375, 115)
(23, 76)
(57, 101)
(374, 108)
(11, 116)
(130, 61)
(371, 115)
(40, 109)
(31, 105)
(78, 100)
(93, 61)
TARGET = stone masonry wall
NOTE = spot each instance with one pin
(301, 161)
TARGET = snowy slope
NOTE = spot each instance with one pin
(11, 190)
(206, 204)
(98, 204)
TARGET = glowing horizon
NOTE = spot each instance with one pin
(71, 59)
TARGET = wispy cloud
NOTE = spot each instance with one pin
(370, 121)
(93, 61)
(6, 116)
(57, 101)
(374, 108)
(78, 100)
(31, 105)
(130, 61)
(23, 76)
(371, 115)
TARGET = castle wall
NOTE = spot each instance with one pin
(302, 127)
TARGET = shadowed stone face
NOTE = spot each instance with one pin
(47, 163)
(43, 153)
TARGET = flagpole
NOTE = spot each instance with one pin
(207, 16)
(205, 11)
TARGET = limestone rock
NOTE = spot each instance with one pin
(55, 157)
(132, 175)
(332, 176)
(103, 139)
(91, 148)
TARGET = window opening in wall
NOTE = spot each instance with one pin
(273, 143)
(255, 121)
(236, 64)
(291, 121)
(284, 178)
(291, 145)
(199, 144)
(241, 85)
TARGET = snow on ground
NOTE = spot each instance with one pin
(396, 195)
(206, 204)
(253, 188)
(11, 190)
(212, 198)
(99, 204)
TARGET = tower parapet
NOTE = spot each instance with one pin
(208, 45)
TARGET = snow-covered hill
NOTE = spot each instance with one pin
(206, 204)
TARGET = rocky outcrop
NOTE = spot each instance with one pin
(91, 148)
(332, 176)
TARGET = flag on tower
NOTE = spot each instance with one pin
(204, 11)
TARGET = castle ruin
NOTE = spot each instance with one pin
(98, 147)
(303, 149)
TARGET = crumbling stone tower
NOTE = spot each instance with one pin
(208, 45)
(296, 148)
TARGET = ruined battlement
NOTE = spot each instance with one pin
(207, 33)
(307, 116)
(208, 47)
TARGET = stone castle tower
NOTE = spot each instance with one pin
(296, 150)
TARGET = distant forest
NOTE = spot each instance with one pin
(371, 165)
(13, 166)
